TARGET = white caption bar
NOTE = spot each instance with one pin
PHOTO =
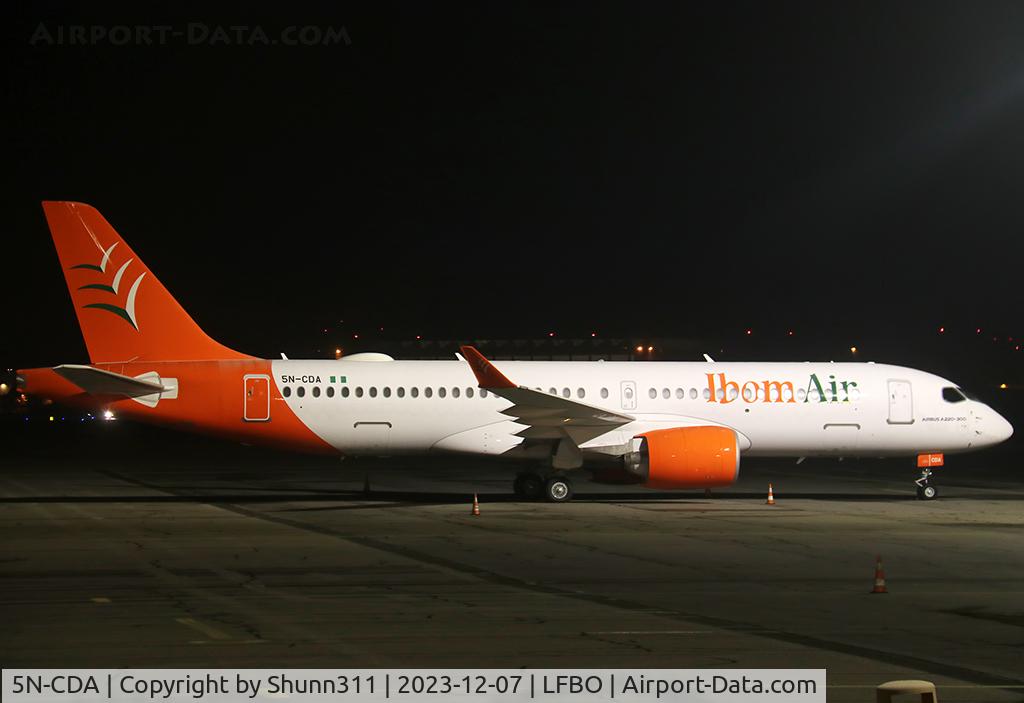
(411, 685)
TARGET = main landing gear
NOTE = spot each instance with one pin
(533, 486)
(926, 490)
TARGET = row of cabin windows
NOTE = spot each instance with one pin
(456, 392)
(399, 392)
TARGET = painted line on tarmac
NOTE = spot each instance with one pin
(208, 630)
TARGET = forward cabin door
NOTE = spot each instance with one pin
(256, 407)
(901, 403)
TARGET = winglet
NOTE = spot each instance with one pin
(486, 374)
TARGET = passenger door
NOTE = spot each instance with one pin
(901, 403)
(256, 406)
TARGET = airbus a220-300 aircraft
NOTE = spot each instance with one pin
(667, 425)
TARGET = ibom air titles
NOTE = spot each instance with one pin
(722, 390)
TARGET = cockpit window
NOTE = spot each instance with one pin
(969, 395)
(952, 395)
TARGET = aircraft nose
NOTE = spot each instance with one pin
(991, 427)
(1001, 428)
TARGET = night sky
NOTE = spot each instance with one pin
(505, 169)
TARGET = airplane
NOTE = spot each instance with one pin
(662, 425)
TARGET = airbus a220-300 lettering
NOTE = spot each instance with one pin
(665, 425)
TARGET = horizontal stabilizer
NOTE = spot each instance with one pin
(99, 382)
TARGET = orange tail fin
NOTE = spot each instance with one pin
(124, 311)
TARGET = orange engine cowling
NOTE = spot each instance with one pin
(685, 457)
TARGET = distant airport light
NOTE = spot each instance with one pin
(650, 349)
(551, 334)
(51, 416)
(337, 353)
(107, 415)
(790, 333)
(355, 336)
(593, 334)
(4, 388)
(1002, 386)
(750, 331)
(942, 330)
(977, 331)
(419, 336)
(639, 349)
(853, 350)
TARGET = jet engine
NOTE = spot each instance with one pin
(684, 457)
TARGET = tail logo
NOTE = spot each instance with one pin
(127, 313)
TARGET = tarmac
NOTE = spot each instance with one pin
(123, 549)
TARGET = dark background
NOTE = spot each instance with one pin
(852, 173)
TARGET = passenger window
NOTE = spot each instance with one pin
(344, 391)
(287, 392)
(707, 394)
(442, 392)
(720, 395)
(300, 391)
(749, 395)
(483, 393)
(330, 391)
(693, 393)
(316, 391)
(604, 392)
(414, 392)
(387, 391)
(455, 392)
(653, 393)
(565, 393)
(580, 393)
(666, 393)
(428, 392)
(680, 393)
(553, 391)
(359, 391)
(733, 394)
(469, 392)
(373, 391)
(801, 395)
(401, 392)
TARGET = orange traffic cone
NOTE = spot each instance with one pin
(771, 496)
(476, 506)
(879, 577)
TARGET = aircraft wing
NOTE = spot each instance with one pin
(99, 382)
(546, 416)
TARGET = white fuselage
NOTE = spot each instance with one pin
(777, 409)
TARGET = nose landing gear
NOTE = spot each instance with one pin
(926, 490)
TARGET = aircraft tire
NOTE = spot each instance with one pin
(529, 486)
(557, 489)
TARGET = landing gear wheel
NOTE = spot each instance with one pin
(558, 490)
(528, 486)
(927, 492)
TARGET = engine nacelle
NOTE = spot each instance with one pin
(685, 457)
